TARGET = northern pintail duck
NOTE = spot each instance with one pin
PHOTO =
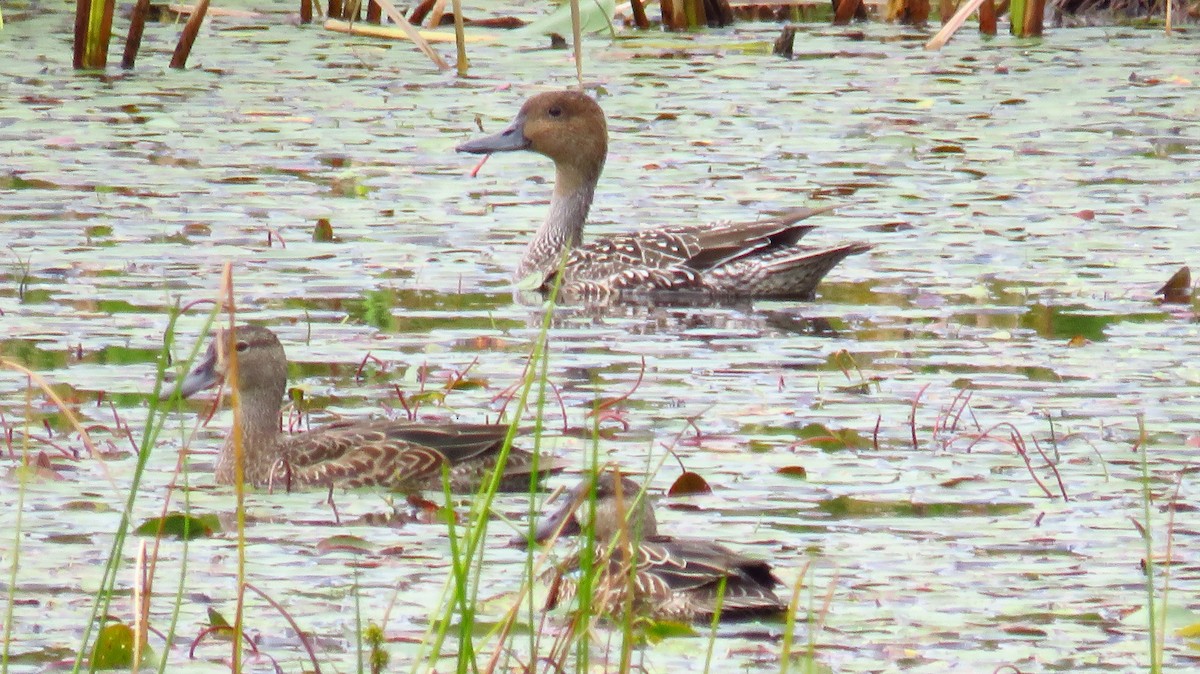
(761, 259)
(673, 578)
(399, 455)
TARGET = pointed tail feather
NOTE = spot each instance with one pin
(788, 273)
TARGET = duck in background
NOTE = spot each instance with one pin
(399, 455)
(663, 577)
(760, 259)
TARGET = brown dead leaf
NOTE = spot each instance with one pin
(1178, 288)
(323, 231)
(689, 483)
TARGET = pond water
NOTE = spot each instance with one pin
(1025, 200)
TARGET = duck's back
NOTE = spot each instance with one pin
(396, 454)
(687, 574)
(742, 259)
(678, 579)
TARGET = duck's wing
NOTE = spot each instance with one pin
(723, 243)
(691, 571)
(389, 453)
(760, 258)
(698, 247)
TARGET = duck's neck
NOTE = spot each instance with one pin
(574, 188)
(257, 412)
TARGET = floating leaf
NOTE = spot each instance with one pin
(759, 446)
(32, 473)
(829, 440)
(435, 397)
(323, 231)
(689, 483)
(467, 384)
(221, 629)
(794, 471)
(654, 631)
(955, 481)
(1178, 288)
(425, 511)
(197, 229)
(844, 506)
(344, 543)
(114, 647)
(181, 526)
(215, 619)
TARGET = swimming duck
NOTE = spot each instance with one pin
(760, 259)
(399, 455)
(676, 579)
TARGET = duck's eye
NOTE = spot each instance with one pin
(555, 111)
(242, 346)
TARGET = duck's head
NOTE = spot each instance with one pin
(615, 496)
(262, 364)
(566, 126)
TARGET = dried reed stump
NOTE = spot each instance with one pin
(785, 42)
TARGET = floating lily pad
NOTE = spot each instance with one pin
(181, 526)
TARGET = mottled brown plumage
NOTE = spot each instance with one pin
(399, 455)
(672, 578)
(745, 259)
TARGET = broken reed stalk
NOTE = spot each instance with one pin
(1034, 11)
(1148, 541)
(987, 17)
(960, 17)
(137, 23)
(460, 40)
(412, 34)
(188, 37)
(93, 28)
(1016, 16)
(577, 36)
(846, 10)
(239, 478)
(83, 10)
(669, 20)
(639, 14)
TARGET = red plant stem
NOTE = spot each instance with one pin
(561, 405)
(912, 419)
(1053, 468)
(622, 398)
(288, 617)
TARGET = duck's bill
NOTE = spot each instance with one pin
(564, 517)
(203, 376)
(509, 140)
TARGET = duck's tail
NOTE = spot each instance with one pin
(791, 272)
